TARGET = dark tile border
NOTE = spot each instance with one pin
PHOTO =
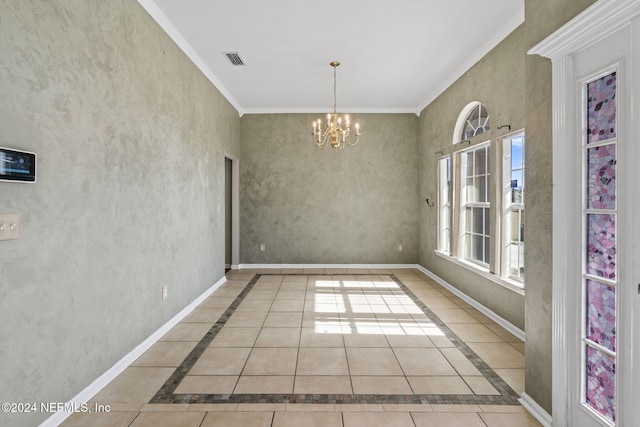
(166, 393)
(498, 383)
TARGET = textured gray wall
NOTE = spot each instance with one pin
(543, 17)
(326, 206)
(116, 113)
(497, 81)
(130, 139)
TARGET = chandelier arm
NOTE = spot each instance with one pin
(320, 145)
(322, 138)
(354, 142)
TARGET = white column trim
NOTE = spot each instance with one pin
(563, 125)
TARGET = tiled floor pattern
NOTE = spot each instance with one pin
(315, 347)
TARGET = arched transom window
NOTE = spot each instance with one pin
(473, 120)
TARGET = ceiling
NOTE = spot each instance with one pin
(396, 56)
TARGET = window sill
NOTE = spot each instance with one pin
(512, 285)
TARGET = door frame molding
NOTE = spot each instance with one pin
(235, 211)
(602, 19)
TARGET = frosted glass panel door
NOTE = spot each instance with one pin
(602, 294)
(596, 206)
(599, 279)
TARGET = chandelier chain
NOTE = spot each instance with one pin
(334, 89)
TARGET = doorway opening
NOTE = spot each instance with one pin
(231, 213)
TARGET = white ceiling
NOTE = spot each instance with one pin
(397, 56)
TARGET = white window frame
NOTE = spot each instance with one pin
(457, 254)
(508, 206)
(444, 204)
(461, 123)
(465, 233)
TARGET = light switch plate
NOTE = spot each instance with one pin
(9, 226)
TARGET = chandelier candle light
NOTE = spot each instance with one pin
(336, 133)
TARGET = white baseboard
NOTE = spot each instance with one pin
(519, 333)
(484, 310)
(275, 266)
(99, 383)
(525, 400)
(536, 410)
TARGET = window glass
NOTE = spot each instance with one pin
(477, 122)
(514, 214)
(476, 211)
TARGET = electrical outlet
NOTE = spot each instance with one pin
(399, 248)
(165, 292)
(263, 247)
(9, 226)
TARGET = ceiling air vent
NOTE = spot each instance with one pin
(234, 58)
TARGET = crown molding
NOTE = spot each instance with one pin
(602, 19)
(509, 26)
(323, 110)
(158, 15)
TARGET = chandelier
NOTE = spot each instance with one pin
(337, 130)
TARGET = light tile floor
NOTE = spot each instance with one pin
(323, 348)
